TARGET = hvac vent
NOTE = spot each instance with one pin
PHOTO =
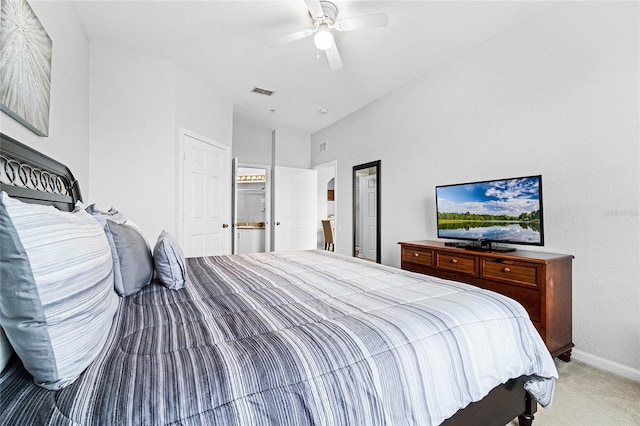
(323, 146)
(262, 91)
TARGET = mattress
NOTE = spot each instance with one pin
(294, 338)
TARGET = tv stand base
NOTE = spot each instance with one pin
(488, 247)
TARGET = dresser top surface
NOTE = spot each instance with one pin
(518, 254)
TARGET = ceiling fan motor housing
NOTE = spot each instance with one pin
(330, 11)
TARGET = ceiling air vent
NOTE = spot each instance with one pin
(262, 91)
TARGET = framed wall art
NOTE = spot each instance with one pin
(25, 61)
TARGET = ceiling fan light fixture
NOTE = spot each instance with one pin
(323, 39)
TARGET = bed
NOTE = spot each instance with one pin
(290, 338)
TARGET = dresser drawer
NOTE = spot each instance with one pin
(417, 256)
(457, 263)
(510, 272)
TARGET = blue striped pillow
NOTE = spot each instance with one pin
(57, 301)
(168, 260)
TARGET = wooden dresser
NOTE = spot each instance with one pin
(541, 282)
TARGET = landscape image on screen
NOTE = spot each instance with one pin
(503, 211)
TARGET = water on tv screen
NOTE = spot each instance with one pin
(502, 211)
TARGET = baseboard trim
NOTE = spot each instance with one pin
(606, 365)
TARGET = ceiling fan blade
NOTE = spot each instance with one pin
(314, 8)
(290, 37)
(333, 56)
(362, 22)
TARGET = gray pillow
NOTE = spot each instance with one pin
(56, 299)
(132, 262)
(102, 217)
(114, 216)
(168, 259)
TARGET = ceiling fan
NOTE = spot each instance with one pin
(323, 16)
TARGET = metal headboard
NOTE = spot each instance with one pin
(32, 177)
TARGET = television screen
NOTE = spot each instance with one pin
(498, 211)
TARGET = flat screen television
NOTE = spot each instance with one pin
(491, 212)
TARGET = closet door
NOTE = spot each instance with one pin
(206, 197)
(294, 209)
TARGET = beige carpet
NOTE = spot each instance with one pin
(588, 396)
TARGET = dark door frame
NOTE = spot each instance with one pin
(377, 165)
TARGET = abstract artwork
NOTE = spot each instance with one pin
(25, 61)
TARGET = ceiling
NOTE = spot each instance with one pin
(225, 44)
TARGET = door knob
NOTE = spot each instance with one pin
(225, 225)
(277, 223)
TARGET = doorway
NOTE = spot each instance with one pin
(366, 211)
(327, 196)
(252, 201)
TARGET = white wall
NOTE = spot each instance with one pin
(133, 137)
(202, 110)
(557, 95)
(138, 104)
(252, 146)
(289, 148)
(292, 149)
(68, 140)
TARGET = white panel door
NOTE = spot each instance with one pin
(368, 217)
(294, 209)
(207, 197)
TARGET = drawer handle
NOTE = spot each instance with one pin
(416, 254)
(454, 260)
(507, 269)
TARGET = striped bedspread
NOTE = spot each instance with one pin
(294, 338)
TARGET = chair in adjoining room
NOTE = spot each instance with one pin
(328, 234)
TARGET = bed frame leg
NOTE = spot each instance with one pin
(531, 406)
(525, 420)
